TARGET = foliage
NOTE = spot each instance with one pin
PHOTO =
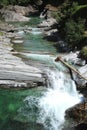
(74, 32)
(1, 33)
(13, 2)
(81, 11)
(83, 53)
(70, 27)
(81, 2)
(66, 11)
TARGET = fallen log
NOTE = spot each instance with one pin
(70, 67)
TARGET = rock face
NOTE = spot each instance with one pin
(14, 72)
(82, 68)
(16, 13)
(38, 2)
(78, 114)
(47, 23)
(6, 27)
(17, 39)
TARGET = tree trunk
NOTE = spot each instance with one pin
(70, 67)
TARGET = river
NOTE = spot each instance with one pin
(41, 108)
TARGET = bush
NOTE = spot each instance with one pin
(1, 33)
(83, 53)
(13, 2)
(80, 12)
(74, 32)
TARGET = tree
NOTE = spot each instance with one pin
(74, 32)
(83, 53)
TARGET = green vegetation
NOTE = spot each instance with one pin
(83, 53)
(1, 33)
(13, 2)
(73, 32)
(81, 11)
(71, 18)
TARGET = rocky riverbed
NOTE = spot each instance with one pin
(13, 71)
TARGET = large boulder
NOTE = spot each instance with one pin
(81, 82)
(78, 115)
(16, 13)
(12, 16)
(73, 59)
(47, 23)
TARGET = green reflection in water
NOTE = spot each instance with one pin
(35, 44)
(14, 109)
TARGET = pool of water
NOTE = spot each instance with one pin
(14, 109)
(19, 110)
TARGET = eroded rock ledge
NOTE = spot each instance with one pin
(14, 72)
(16, 13)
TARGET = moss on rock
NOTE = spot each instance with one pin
(83, 53)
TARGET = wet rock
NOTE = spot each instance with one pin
(47, 12)
(50, 32)
(47, 23)
(82, 83)
(17, 39)
(73, 58)
(78, 113)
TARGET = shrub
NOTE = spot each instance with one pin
(74, 32)
(1, 33)
(83, 53)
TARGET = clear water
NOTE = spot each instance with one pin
(34, 43)
(12, 103)
(39, 108)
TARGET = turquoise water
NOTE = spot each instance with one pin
(38, 108)
(36, 44)
(34, 41)
(14, 107)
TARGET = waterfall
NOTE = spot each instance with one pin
(61, 94)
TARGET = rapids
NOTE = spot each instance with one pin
(39, 108)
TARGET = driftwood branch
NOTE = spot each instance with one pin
(70, 67)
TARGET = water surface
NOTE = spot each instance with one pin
(39, 108)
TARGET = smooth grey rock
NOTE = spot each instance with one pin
(17, 41)
(15, 13)
(14, 72)
(47, 23)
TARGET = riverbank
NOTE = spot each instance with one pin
(14, 73)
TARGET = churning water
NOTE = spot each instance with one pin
(61, 95)
(49, 108)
